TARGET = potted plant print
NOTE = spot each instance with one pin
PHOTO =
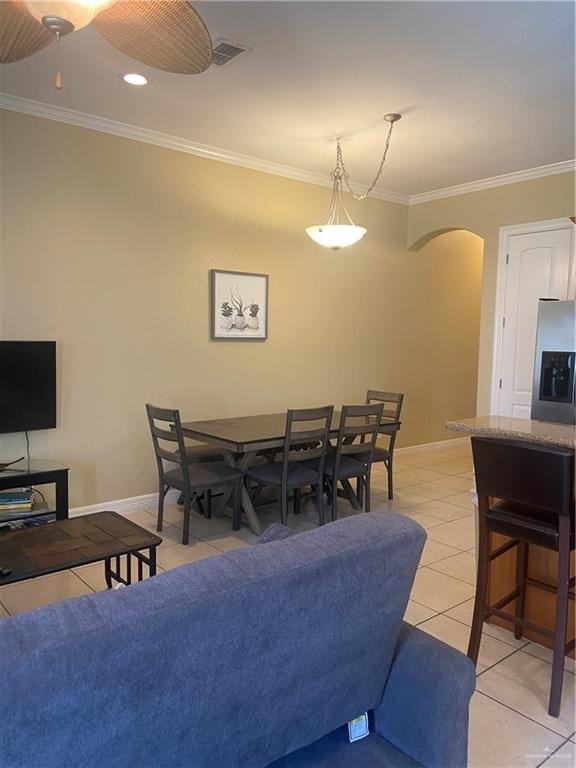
(253, 318)
(240, 307)
(226, 321)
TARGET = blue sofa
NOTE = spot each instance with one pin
(255, 658)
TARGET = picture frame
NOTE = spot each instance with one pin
(238, 306)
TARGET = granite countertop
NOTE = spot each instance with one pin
(563, 435)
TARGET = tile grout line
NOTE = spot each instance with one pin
(439, 612)
(449, 575)
(437, 562)
(431, 514)
(442, 559)
(526, 717)
(551, 755)
(70, 570)
(492, 636)
(508, 655)
(522, 648)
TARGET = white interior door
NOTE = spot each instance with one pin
(538, 267)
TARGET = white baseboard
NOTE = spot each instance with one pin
(438, 445)
(130, 504)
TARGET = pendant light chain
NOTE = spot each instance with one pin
(339, 231)
(342, 173)
(337, 202)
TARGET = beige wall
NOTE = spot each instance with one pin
(1, 211)
(107, 245)
(484, 213)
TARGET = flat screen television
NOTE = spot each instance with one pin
(27, 385)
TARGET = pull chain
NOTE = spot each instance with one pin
(58, 79)
(341, 172)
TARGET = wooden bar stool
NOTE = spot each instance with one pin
(525, 492)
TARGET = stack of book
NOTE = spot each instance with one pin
(15, 504)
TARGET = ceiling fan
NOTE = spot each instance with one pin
(163, 34)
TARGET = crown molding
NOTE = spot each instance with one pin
(127, 131)
(495, 181)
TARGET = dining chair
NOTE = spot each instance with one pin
(199, 453)
(302, 460)
(349, 459)
(392, 407)
(193, 479)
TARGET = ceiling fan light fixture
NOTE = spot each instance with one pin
(133, 78)
(63, 16)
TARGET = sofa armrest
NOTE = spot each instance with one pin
(424, 709)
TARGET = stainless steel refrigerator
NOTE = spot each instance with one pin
(554, 381)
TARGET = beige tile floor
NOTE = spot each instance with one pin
(509, 724)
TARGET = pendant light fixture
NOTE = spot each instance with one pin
(339, 231)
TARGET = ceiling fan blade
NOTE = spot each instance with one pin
(164, 34)
(20, 34)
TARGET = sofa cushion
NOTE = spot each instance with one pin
(336, 751)
(232, 661)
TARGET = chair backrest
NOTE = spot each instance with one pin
(392, 402)
(307, 434)
(358, 422)
(529, 473)
(166, 427)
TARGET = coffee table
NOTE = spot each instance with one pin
(63, 544)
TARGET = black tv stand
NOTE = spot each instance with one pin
(24, 474)
(5, 464)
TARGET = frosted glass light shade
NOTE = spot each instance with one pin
(78, 12)
(336, 236)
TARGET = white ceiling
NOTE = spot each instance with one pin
(486, 88)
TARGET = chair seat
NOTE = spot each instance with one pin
(519, 521)
(203, 475)
(349, 467)
(299, 474)
(380, 454)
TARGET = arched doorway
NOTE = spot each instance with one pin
(452, 261)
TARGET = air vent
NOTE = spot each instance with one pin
(224, 52)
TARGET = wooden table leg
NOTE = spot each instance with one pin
(242, 464)
(349, 494)
(219, 510)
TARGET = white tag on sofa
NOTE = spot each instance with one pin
(358, 728)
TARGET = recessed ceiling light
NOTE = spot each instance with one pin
(134, 79)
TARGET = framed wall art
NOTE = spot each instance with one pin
(239, 306)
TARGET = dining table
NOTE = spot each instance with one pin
(242, 438)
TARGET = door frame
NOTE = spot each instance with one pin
(505, 233)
